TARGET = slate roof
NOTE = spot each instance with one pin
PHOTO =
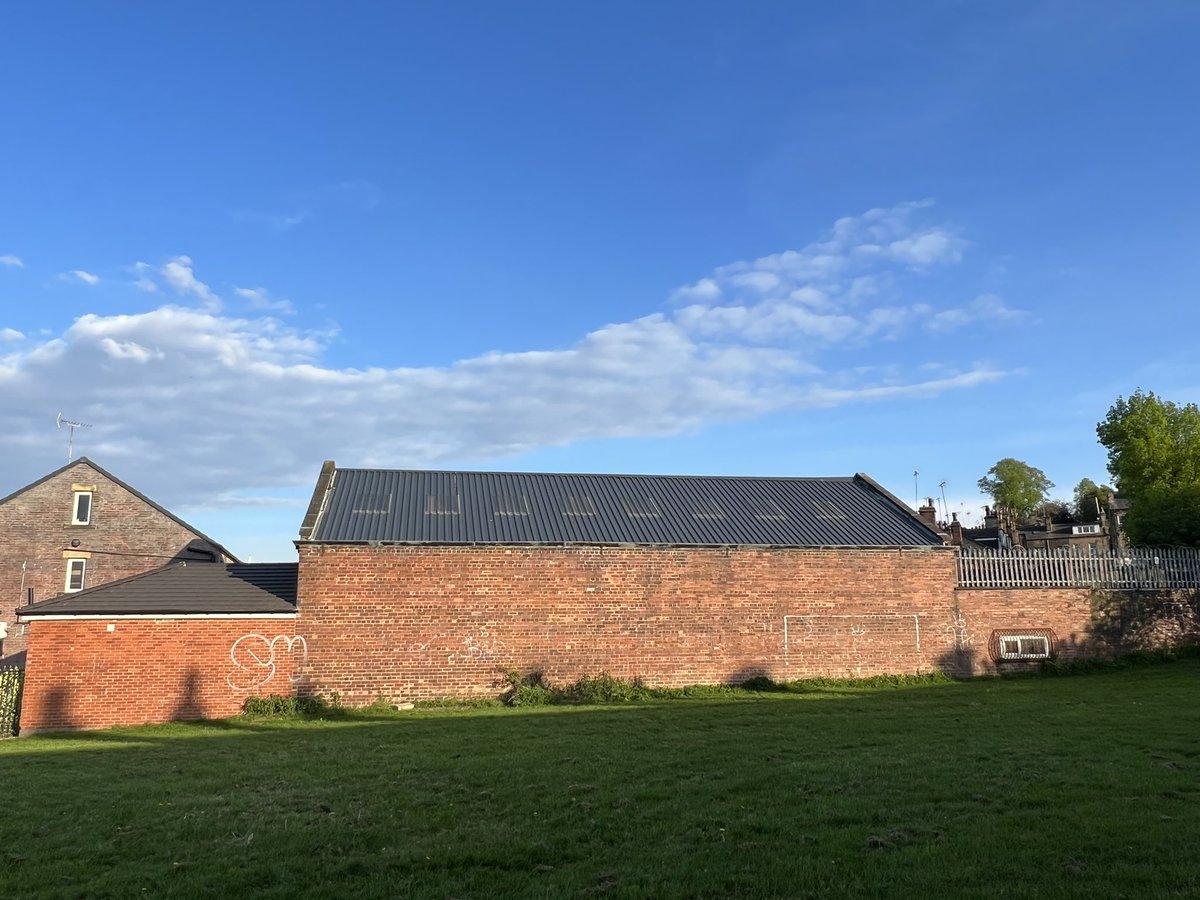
(422, 507)
(83, 460)
(183, 587)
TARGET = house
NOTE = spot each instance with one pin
(418, 584)
(79, 527)
(189, 640)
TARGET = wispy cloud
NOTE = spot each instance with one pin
(11, 334)
(355, 195)
(80, 275)
(748, 339)
(9, 260)
(260, 298)
(179, 275)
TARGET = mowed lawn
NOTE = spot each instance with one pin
(1081, 786)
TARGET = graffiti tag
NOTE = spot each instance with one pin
(253, 658)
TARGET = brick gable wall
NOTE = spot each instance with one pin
(126, 536)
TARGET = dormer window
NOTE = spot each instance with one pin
(81, 509)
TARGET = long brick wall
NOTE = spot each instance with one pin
(96, 673)
(404, 622)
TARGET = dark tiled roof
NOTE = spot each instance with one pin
(191, 587)
(83, 460)
(402, 506)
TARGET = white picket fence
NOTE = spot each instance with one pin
(1140, 569)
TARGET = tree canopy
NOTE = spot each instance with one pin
(1154, 458)
(1151, 443)
(1089, 499)
(1016, 485)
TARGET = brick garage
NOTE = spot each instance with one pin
(187, 641)
(96, 673)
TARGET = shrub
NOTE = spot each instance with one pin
(12, 678)
(606, 689)
(277, 706)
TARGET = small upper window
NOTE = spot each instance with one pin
(75, 570)
(81, 513)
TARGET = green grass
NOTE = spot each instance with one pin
(1086, 786)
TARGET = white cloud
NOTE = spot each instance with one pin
(11, 334)
(260, 298)
(179, 275)
(249, 404)
(9, 260)
(144, 281)
(80, 275)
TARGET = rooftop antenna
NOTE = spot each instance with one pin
(60, 422)
(916, 490)
(942, 485)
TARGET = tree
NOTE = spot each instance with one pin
(1154, 458)
(1165, 517)
(1151, 443)
(1016, 485)
(1090, 498)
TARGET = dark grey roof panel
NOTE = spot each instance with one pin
(367, 505)
(192, 587)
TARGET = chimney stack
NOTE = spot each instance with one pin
(928, 513)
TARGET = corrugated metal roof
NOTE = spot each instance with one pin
(406, 506)
(191, 587)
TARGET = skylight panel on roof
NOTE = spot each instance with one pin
(443, 504)
(578, 505)
(705, 508)
(511, 503)
(373, 505)
(766, 510)
(640, 507)
(827, 510)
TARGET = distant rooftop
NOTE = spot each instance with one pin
(424, 507)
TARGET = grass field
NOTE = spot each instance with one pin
(1082, 786)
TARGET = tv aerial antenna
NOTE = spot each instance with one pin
(60, 422)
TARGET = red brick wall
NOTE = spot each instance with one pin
(79, 674)
(1065, 611)
(417, 622)
(128, 536)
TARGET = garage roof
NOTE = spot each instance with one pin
(182, 588)
(424, 507)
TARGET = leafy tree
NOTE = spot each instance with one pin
(1165, 517)
(1151, 443)
(1016, 485)
(1154, 457)
(1089, 498)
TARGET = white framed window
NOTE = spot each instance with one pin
(1024, 646)
(75, 573)
(81, 508)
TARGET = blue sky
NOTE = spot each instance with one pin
(766, 238)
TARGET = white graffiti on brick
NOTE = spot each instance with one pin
(478, 648)
(253, 657)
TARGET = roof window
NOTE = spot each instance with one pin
(512, 504)
(578, 505)
(705, 508)
(640, 507)
(443, 504)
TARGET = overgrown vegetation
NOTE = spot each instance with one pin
(1035, 787)
(277, 706)
(12, 679)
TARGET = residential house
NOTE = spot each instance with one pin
(79, 527)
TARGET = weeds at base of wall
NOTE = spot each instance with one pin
(12, 678)
(533, 689)
(277, 706)
(1136, 659)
